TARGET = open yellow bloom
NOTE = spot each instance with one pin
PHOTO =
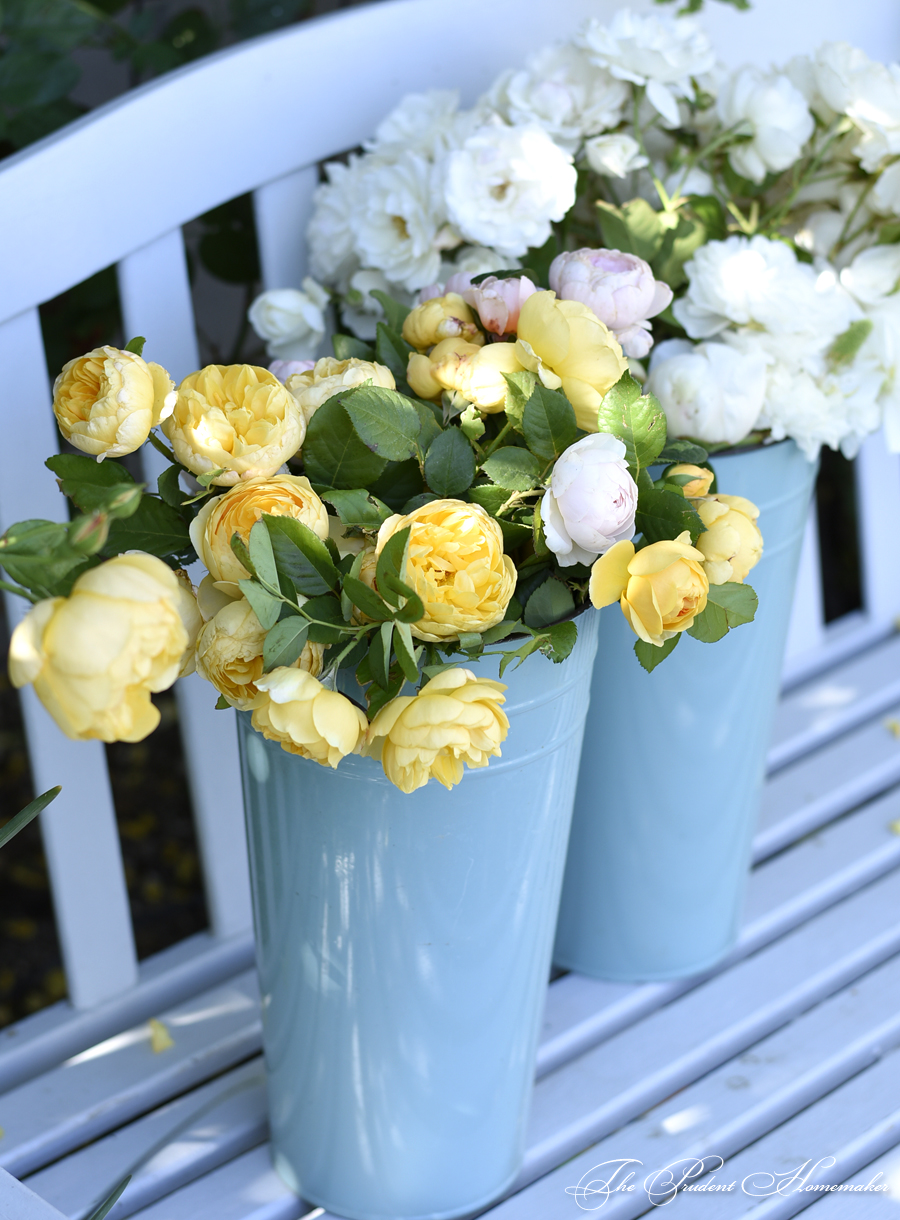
(107, 401)
(701, 479)
(569, 348)
(732, 543)
(230, 655)
(454, 720)
(456, 565)
(446, 317)
(472, 371)
(238, 510)
(307, 719)
(661, 588)
(95, 656)
(237, 418)
(330, 376)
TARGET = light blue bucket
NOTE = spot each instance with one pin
(674, 762)
(403, 946)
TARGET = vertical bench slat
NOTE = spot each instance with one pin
(80, 835)
(878, 506)
(155, 294)
(283, 209)
(807, 628)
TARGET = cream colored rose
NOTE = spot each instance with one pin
(661, 589)
(238, 510)
(732, 543)
(570, 349)
(230, 655)
(307, 719)
(330, 376)
(454, 720)
(477, 373)
(446, 317)
(107, 401)
(95, 656)
(456, 565)
(237, 418)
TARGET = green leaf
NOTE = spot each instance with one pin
(406, 652)
(399, 483)
(845, 347)
(169, 488)
(92, 485)
(348, 348)
(28, 814)
(367, 600)
(392, 351)
(548, 423)
(635, 228)
(511, 273)
(520, 387)
(650, 655)
(561, 641)
(450, 463)
(682, 451)
(494, 635)
(241, 553)
(285, 642)
(380, 654)
(328, 611)
(426, 497)
(39, 556)
(262, 556)
(429, 428)
(391, 565)
(358, 507)
(222, 704)
(377, 696)
(471, 642)
(334, 455)
(301, 555)
(154, 527)
(531, 645)
(550, 602)
(105, 1207)
(636, 419)
(387, 422)
(489, 496)
(266, 607)
(677, 247)
(666, 514)
(513, 469)
(515, 533)
(135, 345)
(728, 605)
(395, 313)
(711, 215)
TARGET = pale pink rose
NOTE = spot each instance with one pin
(618, 287)
(429, 292)
(497, 302)
(283, 369)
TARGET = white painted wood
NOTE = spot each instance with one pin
(885, 1169)
(155, 296)
(17, 1202)
(878, 501)
(79, 829)
(248, 1188)
(283, 209)
(807, 629)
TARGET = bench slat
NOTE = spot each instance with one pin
(283, 209)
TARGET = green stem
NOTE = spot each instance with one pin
(495, 443)
(163, 448)
(638, 93)
(21, 592)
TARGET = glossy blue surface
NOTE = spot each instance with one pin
(404, 948)
(674, 761)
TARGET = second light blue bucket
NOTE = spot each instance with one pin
(674, 762)
(403, 947)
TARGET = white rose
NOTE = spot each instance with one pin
(837, 410)
(400, 226)
(292, 322)
(773, 112)
(330, 234)
(695, 181)
(563, 91)
(886, 191)
(505, 185)
(662, 53)
(591, 501)
(710, 392)
(820, 231)
(422, 123)
(615, 155)
(873, 275)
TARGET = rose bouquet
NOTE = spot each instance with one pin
(466, 486)
(768, 202)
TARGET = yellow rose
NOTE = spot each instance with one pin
(230, 655)
(454, 719)
(95, 656)
(236, 418)
(330, 376)
(701, 478)
(472, 371)
(661, 588)
(238, 510)
(568, 346)
(306, 719)
(456, 565)
(446, 317)
(107, 401)
(732, 543)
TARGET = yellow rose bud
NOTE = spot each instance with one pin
(307, 719)
(455, 719)
(236, 418)
(107, 401)
(456, 565)
(446, 317)
(230, 655)
(701, 479)
(477, 373)
(420, 371)
(565, 342)
(95, 656)
(238, 510)
(330, 376)
(732, 543)
(661, 588)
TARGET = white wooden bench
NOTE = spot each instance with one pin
(787, 1047)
